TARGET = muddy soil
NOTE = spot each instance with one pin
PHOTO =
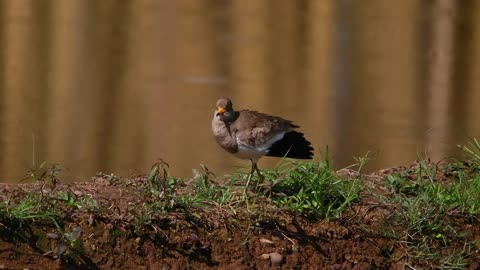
(109, 235)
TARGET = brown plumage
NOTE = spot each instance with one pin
(251, 135)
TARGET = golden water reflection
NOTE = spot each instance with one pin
(114, 85)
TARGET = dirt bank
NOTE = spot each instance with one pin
(110, 223)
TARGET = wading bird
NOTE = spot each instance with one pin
(251, 135)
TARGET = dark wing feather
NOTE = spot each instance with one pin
(292, 145)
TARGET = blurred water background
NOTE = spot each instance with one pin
(113, 85)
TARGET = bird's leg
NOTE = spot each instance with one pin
(261, 178)
(254, 167)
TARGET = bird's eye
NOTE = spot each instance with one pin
(217, 114)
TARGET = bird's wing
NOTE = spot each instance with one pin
(258, 130)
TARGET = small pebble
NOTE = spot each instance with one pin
(276, 258)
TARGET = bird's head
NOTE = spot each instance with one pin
(224, 110)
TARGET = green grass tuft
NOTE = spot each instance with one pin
(313, 189)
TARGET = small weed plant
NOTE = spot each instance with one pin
(313, 189)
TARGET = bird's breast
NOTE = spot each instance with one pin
(224, 137)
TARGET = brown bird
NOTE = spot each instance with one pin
(251, 135)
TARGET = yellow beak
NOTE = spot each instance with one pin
(221, 110)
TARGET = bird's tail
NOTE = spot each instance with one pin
(292, 145)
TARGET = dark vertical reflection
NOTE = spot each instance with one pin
(3, 136)
(156, 71)
(220, 22)
(66, 95)
(320, 52)
(421, 102)
(126, 147)
(343, 77)
(461, 92)
(250, 52)
(473, 78)
(41, 34)
(440, 86)
(362, 99)
(285, 52)
(107, 56)
(25, 53)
